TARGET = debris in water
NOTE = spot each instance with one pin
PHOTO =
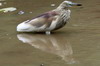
(2, 0)
(42, 65)
(9, 9)
(0, 4)
(52, 5)
(21, 12)
(30, 12)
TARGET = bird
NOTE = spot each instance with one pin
(49, 21)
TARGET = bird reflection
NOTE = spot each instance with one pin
(55, 44)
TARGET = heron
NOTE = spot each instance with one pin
(49, 21)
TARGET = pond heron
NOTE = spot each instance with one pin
(48, 21)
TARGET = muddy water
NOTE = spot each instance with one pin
(77, 44)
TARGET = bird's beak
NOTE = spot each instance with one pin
(69, 4)
(76, 4)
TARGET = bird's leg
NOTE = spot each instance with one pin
(48, 32)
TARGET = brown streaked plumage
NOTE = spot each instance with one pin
(49, 21)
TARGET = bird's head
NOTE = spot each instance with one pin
(69, 3)
(65, 4)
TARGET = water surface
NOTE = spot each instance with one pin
(77, 44)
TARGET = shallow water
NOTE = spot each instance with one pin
(77, 44)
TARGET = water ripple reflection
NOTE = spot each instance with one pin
(55, 44)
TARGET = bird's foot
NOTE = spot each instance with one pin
(48, 32)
